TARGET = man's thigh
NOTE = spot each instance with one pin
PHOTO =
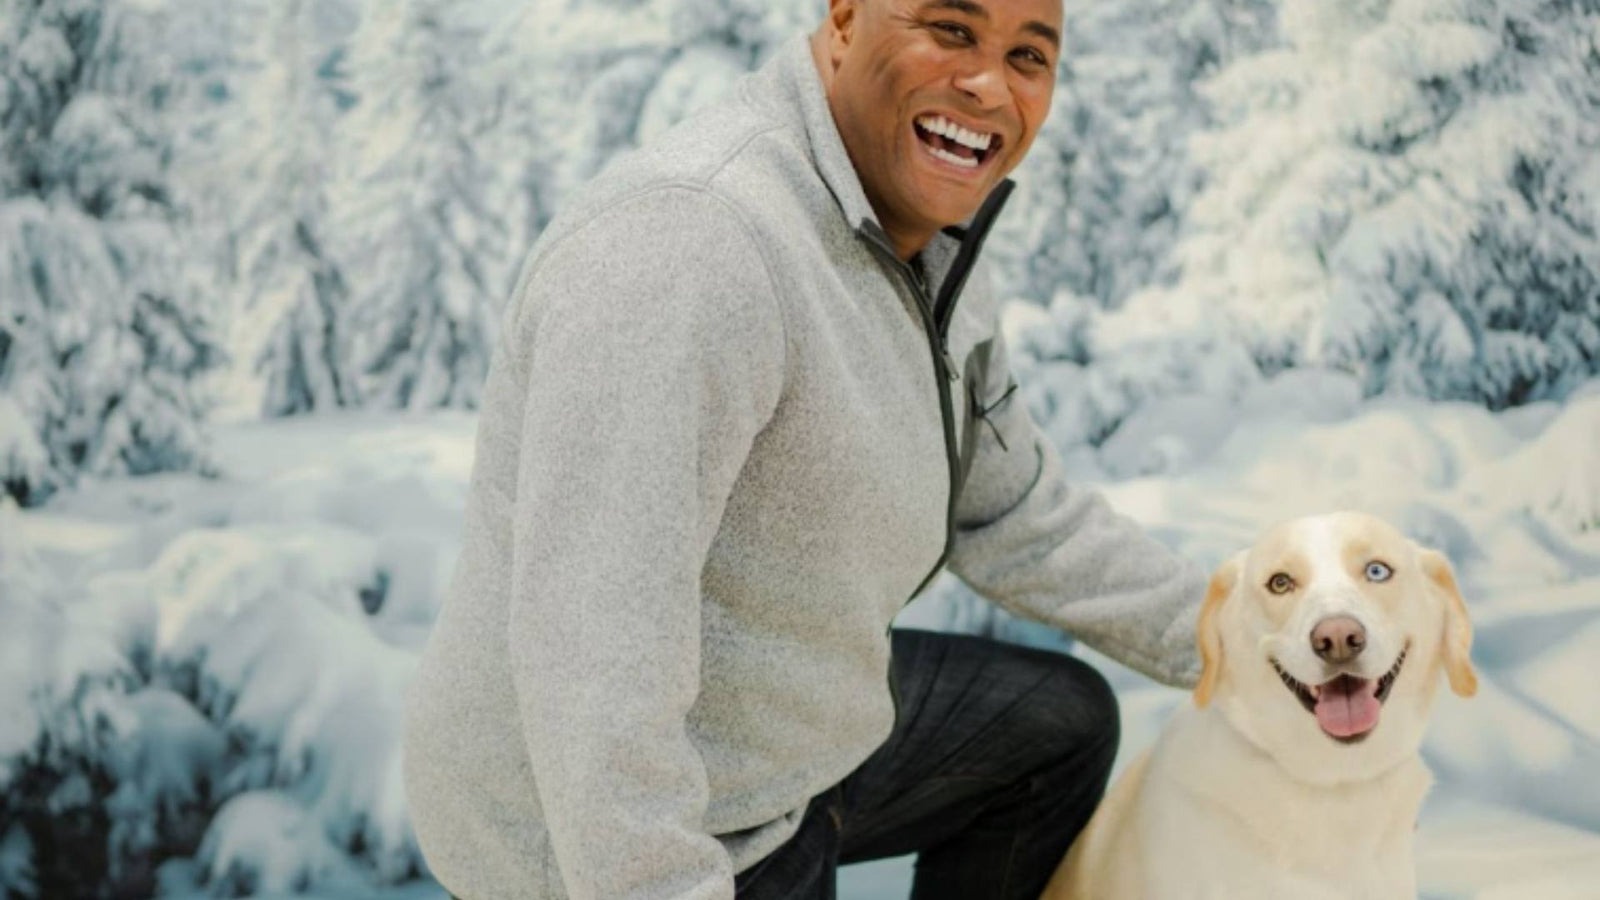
(977, 719)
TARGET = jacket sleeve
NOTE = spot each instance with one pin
(1057, 553)
(653, 353)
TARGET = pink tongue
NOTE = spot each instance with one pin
(1348, 707)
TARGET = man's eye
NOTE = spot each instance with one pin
(955, 30)
(1032, 56)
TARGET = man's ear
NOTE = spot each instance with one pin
(841, 29)
(1207, 631)
(1456, 644)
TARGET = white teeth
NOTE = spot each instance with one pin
(947, 156)
(941, 126)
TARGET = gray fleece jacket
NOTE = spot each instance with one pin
(715, 456)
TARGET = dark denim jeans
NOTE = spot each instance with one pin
(998, 757)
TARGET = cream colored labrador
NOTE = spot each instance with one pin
(1295, 775)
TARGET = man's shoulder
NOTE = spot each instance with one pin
(699, 200)
(750, 160)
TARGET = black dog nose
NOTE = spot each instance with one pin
(1338, 639)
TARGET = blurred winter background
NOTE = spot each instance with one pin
(1266, 259)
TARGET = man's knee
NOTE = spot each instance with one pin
(1056, 703)
(1078, 712)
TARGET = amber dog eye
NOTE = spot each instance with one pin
(1280, 583)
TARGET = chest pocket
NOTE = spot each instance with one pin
(982, 400)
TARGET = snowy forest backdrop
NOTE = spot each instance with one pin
(1265, 257)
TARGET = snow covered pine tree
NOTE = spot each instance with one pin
(103, 326)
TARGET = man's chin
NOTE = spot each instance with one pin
(943, 203)
(944, 213)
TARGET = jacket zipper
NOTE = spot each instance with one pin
(944, 374)
(936, 323)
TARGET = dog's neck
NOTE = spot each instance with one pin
(1238, 776)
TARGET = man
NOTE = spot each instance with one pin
(751, 398)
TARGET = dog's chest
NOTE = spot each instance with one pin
(1206, 856)
(1244, 831)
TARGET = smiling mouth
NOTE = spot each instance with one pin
(952, 144)
(1346, 706)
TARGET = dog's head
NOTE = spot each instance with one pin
(1323, 644)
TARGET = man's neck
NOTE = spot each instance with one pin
(907, 244)
(906, 241)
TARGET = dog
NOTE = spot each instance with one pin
(1296, 773)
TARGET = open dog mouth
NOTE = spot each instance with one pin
(954, 144)
(1346, 706)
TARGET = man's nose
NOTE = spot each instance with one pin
(985, 83)
(1338, 639)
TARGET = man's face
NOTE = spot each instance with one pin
(910, 73)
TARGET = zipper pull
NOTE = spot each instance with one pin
(949, 364)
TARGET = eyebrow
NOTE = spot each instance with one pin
(1293, 562)
(1358, 551)
(977, 10)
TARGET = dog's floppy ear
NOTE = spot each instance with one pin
(1457, 642)
(1207, 633)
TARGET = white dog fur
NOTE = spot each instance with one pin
(1245, 794)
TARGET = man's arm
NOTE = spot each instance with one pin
(1058, 554)
(654, 353)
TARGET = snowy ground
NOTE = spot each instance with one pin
(278, 609)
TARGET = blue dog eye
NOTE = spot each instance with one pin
(1377, 571)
